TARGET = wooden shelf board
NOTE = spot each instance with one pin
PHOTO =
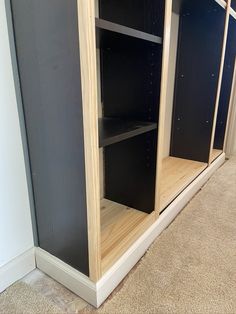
(124, 30)
(120, 228)
(177, 174)
(215, 153)
(115, 130)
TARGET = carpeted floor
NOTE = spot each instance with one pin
(190, 268)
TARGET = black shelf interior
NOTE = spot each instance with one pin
(112, 130)
(120, 30)
(200, 42)
(130, 171)
(129, 36)
(143, 15)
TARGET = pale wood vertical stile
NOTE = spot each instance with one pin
(164, 82)
(231, 105)
(87, 42)
(220, 78)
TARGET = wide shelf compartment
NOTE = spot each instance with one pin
(106, 26)
(177, 174)
(112, 130)
(120, 227)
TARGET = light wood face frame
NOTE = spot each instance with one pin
(87, 42)
(231, 106)
(220, 78)
(163, 96)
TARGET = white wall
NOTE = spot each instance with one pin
(15, 221)
(171, 83)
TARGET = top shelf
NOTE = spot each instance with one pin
(124, 30)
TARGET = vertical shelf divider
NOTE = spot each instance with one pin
(87, 40)
(163, 95)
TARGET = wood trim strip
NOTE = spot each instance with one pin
(220, 79)
(231, 105)
(87, 42)
(163, 96)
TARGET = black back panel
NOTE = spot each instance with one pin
(198, 62)
(144, 15)
(226, 85)
(130, 172)
(130, 81)
(46, 34)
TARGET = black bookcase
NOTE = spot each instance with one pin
(129, 35)
(198, 62)
(226, 87)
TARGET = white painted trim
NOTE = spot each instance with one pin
(232, 13)
(17, 269)
(222, 3)
(66, 275)
(96, 293)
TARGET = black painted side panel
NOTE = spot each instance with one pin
(226, 85)
(198, 62)
(144, 15)
(46, 34)
(130, 171)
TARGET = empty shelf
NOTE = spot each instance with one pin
(124, 30)
(177, 174)
(113, 130)
(215, 153)
(120, 227)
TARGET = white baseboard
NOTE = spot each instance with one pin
(96, 293)
(66, 275)
(17, 269)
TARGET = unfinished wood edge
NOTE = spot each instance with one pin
(232, 13)
(66, 275)
(87, 43)
(231, 104)
(229, 142)
(219, 80)
(17, 268)
(163, 96)
(121, 268)
(222, 3)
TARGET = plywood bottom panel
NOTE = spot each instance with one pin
(120, 227)
(177, 174)
(215, 153)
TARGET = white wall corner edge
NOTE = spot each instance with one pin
(17, 268)
(97, 293)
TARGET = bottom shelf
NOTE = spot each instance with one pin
(177, 174)
(215, 153)
(120, 227)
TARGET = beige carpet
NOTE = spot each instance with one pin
(191, 267)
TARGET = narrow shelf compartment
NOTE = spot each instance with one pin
(104, 25)
(177, 174)
(120, 227)
(113, 130)
(215, 153)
